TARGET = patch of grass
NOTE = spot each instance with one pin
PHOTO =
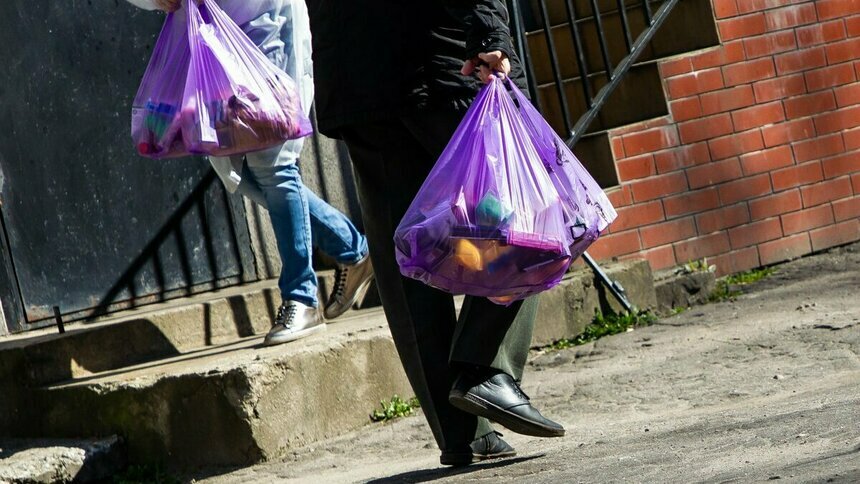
(725, 291)
(692, 266)
(678, 310)
(395, 408)
(751, 276)
(605, 325)
(145, 474)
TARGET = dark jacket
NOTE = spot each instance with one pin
(377, 59)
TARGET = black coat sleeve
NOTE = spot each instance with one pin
(486, 23)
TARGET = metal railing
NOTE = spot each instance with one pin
(653, 20)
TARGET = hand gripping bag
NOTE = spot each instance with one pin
(587, 209)
(487, 221)
(234, 100)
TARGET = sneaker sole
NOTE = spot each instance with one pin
(277, 340)
(478, 406)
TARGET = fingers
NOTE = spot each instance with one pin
(468, 67)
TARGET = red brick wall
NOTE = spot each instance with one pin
(759, 160)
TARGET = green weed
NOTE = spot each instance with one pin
(605, 325)
(395, 408)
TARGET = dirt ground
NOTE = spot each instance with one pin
(766, 387)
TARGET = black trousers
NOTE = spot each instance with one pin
(391, 161)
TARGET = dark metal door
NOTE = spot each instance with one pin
(87, 224)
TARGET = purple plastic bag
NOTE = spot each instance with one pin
(487, 221)
(587, 209)
(232, 99)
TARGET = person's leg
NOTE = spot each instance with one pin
(491, 342)
(390, 166)
(284, 194)
(333, 233)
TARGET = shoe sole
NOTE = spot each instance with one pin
(360, 293)
(275, 340)
(482, 408)
(499, 455)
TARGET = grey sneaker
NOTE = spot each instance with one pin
(350, 285)
(294, 321)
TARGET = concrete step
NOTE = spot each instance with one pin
(236, 402)
(49, 461)
(147, 333)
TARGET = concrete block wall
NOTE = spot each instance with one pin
(759, 158)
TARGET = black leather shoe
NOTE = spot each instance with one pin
(489, 446)
(496, 396)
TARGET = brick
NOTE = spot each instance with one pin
(784, 249)
(769, 44)
(744, 189)
(779, 88)
(801, 60)
(695, 249)
(766, 160)
(736, 261)
(634, 216)
(722, 218)
(796, 176)
(839, 234)
(809, 104)
(749, 71)
(820, 33)
(658, 186)
(755, 233)
(827, 191)
(806, 220)
(745, 26)
(747, 6)
(660, 257)
(648, 124)
(636, 167)
(846, 208)
(855, 182)
(650, 140)
(789, 17)
(615, 244)
(728, 53)
(695, 83)
(817, 148)
(693, 202)
(705, 128)
(847, 95)
(784, 202)
(667, 232)
(840, 120)
(735, 144)
(852, 25)
(828, 9)
(682, 157)
(841, 165)
(761, 115)
(714, 173)
(685, 109)
(620, 196)
(783, 133)
(852, 139)
(727, 100)
(617, 148)
(843, 51)
(829, 77)
(675, 67)
(725, 8)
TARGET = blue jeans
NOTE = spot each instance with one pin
(301, 220)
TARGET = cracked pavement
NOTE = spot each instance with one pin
(765, 387)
